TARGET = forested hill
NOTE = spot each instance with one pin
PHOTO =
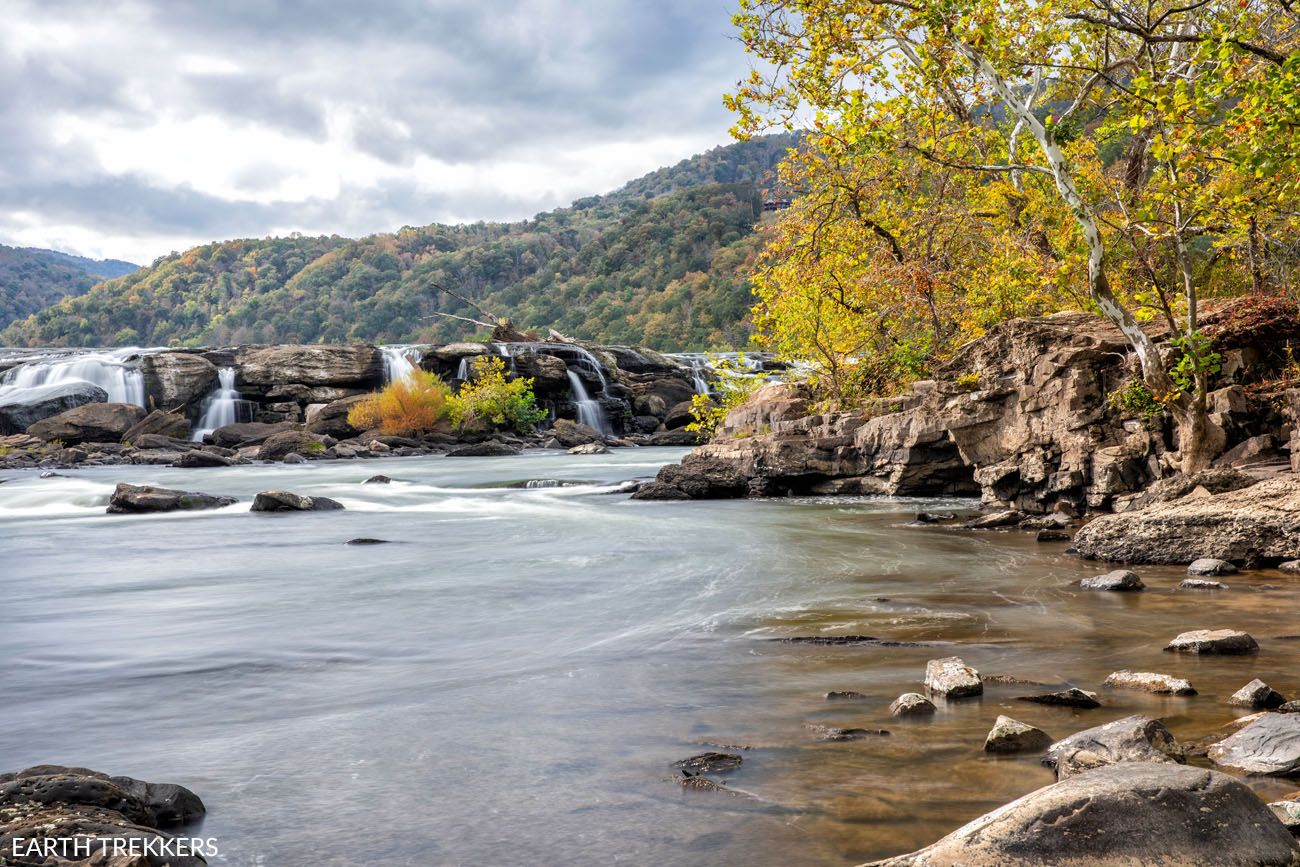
(661, 262)
(32, 279)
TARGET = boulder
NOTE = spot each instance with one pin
(1255, 525)
(590, 449)
(1288, 813)
(1125, 815)
(674, 438)
(286, 501)
(1201, 584)
(248, 433)
(92, 422)
(572, 433)
(276, 446)
(1072, 697)
(995, 521)
(1131, 739)
(25, 407)
(1270, 746)
(173, 380)
(1120, 580)
(337, 366)
(845, 695)
(836, 733)
(158, 423)
(137, 499)
(659, 491)
(952, 678)
(1012, 736)
(709, 763)
(1146, 681)
(332, 418)
(912, 704)
(699, 477)
(1257, 695)
(1290, 566)
(1210, 566)
(1214, 641)
(484, 450)
(195, 458)
(679, 415)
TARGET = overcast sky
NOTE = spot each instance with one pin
(132, 129)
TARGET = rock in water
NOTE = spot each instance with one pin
(1131, 739)
(1270, 745)
(912, 704)
(1121, 816)
(25, 407)
(198, 458)
(91, 423)
(835, 733)
(278, 445)
(1147, 681)
(1211, 566)
(995, 521)
(138, 499)
(1012, 736)
(1288, 813)
(1201, 584)
(158, 423)
(1214, 641)
(287, 501)
(709, 763)
(1072, 697)
(590, 449)
(696, 478)
(952, 678)
(378, 480)
(1257, 695)
(1119, 580)
(845, 695)
(484, 450)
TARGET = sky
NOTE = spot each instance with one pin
(132, 129)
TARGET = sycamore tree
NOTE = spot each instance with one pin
(970, 160)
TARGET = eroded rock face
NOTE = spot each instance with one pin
(697, 477)
(22, 409)
(138, 499)
(93, 422)
(1270, 745)
(339, 366)
(51, 801)
(1258, 525)
(175, 380)
(158, 423)
(1131, 739)
(1121, 816)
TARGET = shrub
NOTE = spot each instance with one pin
(412, 405)
(733, 387)
(968, 382)
(489, 398)
(1136, 399)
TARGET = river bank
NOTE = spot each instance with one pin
(543, 656)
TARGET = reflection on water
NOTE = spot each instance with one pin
(508, 682)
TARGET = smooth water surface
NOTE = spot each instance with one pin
(509, 679)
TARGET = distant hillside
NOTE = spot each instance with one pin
(32, 279)
(102, 268)
(663, 261)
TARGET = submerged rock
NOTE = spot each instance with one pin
(1211, 566)
(1121, 816)
(952, 678)
(1134, 738)
(709, 763)
(1119, 580)
(1147, 681)
(995, 521)
(845, 695)
(1072, 697)
(366, 541)
(1012, 736)
(1201, 584)
(287, 501)
(834, 733)
(1270, 745)
(484, 450)
(1258, 696)
(139, 499)
(199, 458)
(912, 704)
(377, 480)
(1214, 641)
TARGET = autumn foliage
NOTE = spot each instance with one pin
(414, 404)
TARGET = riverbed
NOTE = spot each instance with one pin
(510, 677)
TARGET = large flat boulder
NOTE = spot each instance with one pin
(91, 423)
(173, 380)
(1127, 815)
(342, 366)
(249, 433)
(130, 499)
(25, 407)
(1134, 738)
(276, 446)
(1270, 745)
(287, 501)
(1252, 526)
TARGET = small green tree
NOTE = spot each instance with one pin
(490, 398)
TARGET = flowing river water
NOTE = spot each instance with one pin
(509, 680)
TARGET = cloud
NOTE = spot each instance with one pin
(145, 125)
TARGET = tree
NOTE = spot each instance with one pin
(1163, 136)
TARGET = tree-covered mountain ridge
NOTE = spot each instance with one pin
(664, 261)
(32, 279)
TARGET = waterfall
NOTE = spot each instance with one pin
(111, 371)
(699, 366)
(399, 362)
(590, 412)
(222, 406)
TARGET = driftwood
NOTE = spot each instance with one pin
(503, 330)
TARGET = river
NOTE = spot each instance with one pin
(509, 679)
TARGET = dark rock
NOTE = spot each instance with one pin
(995, 521)
(679, 415)
(170, 425)
(912, 704)
(484, 450)
(1213, 641)
(709, 763)
(1052, 536)
(674, 438)
(828, 639)
(173, 380)
(1012, 736)
(286, 501)
(590, 449)
(834, 733)
(365, 541)
(1121, 816)
(1257, 695)
(952, 678)
(276, 446)
(1270, 745)
(1072, 697)
(571, 433)
(934, 517)
(1292, 566)
(1211, 566)
(92, 422)
(136, 499)
(1131, 739)
(700, 478)
(657, 491)
(249, 433)
(24, 408)
(377, 480)
(845, 695)
(1146, 681)
(1119, 580)
(196, 458)
(1288, 813)
(332, 418)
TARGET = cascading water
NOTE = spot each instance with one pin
(223, 406)
(699, 367)
(113, 371)
(399, 362)
(590, 412)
